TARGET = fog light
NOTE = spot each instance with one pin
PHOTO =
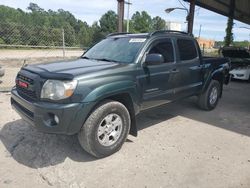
(56, 118)
(52, 119)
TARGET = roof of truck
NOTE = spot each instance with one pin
(147, 35)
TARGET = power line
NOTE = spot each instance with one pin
(182, 4)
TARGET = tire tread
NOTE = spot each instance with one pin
(84, 136)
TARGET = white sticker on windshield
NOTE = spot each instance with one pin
(137, 40)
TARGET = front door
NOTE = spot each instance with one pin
(157, 80)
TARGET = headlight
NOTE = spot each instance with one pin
(57, 90)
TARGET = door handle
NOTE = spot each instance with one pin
(175, 70)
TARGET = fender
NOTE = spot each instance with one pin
(110, 89)
(216, 74)
(113, 89)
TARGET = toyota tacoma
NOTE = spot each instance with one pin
(98, 95)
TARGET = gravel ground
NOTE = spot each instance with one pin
(178, 145)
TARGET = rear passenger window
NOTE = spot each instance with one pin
(164, 48)
(187, 49)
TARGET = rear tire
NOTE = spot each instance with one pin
(209, 99)
(106, 129)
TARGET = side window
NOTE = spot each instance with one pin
(187, 49)
(164, 48)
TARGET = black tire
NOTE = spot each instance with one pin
(88, 135)
(204, 99)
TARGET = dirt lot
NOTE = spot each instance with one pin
(178, 145)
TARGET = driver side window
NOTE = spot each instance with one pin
(165, 48)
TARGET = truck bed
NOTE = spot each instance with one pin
(217, 61)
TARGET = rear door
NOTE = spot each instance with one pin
(188, 79)
(156, 80)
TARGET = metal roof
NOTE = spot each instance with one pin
(240, 8)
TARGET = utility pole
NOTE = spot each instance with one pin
(200, 31)
(128, 3)
(190, 17)
(120, 11)
(63, 43)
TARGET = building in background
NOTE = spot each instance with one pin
(205, 43)
(173, 26)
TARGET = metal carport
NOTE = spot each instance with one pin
(236, 9)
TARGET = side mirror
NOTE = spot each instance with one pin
(154, 59)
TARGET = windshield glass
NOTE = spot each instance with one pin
(122, 50)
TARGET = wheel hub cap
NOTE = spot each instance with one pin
(213, 96)
(109, 130)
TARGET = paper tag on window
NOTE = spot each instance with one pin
(137, 40)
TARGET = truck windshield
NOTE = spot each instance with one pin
(121, 50)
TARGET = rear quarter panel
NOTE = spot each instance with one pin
(215, 68)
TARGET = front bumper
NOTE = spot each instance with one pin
(41, 114)
(241, 74)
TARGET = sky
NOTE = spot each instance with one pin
(213, 25)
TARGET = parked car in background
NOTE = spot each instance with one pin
(99, 95)
(240, 60)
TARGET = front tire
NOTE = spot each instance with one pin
(106, 129)
(209, 99)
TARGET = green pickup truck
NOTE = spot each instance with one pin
(99, 95)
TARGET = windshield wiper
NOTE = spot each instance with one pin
(85, 57)
(101, 59)
(108, 60)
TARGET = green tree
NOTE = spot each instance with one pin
(141, 22)
(84, 34)
(244, 43)
(55, 36)
(97, 34)
(108, 22)
(69, 34)
(158, 23)
(35, 8)
(44, 27)
(2, 41)
(228, 40)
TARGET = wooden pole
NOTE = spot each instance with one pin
(120, 10)
(191, 16)
(63, 43)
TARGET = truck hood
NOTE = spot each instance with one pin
(70, 69)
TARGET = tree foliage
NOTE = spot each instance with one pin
(244, 44)
(42, 27)
(35, 8)
(158, 23)
(108, 22)
(228, 40)
(141, 22)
